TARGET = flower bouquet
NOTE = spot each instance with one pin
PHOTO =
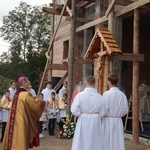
(68, 128)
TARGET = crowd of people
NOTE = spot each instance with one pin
(99, 124)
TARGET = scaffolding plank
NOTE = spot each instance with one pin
(54, 11)
(131, 7)
(91, 24)
(51, 43)
(67, 8)
(123, 2)
(127, 57)
(61, 81)
(79, 19)
(56, 6)
(57, 67)
(109, 9)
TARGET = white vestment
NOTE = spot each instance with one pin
(89, 109)
(116, 107)
(4, 115)
(32, 92)
(12, 92)
(50, 112)
(47, 93)
(61, 92)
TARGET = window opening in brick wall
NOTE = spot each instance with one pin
(65, 49)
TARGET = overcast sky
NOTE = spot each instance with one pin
(8, 5)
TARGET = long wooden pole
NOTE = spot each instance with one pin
(111, 29)
(135, 83)
(51, 52)
(51, 43)
(71, 50)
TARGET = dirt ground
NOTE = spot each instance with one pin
(53, 143)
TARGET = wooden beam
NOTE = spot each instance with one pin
(51, 44)
(78, 1)
(110, 14)
(135, 80)
(81, 4)
(131, 7)
(91, 24)
(54, 11)
(123, 2)
(49, 76)
(127, 57)
(78, 19)
(67, 8)
(84, 61)
(111, 6)
(61, 82)
(56, 6)
(71, 51)
(57, 67)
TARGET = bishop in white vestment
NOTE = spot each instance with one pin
(89, 109)
(116, 107)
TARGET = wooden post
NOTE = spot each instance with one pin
(51, 52)
(135, 83)
(51, 43)
(71, 50)
(111, 29)
(106, 69)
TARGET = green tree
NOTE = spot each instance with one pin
(4, 84)
(27, 29)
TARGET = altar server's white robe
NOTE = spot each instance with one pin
(116, 107)
(12, 92)
(88, 107)
(61, 92)
(47, 93)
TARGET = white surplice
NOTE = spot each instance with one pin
(47, 93)
(61, 92)
(12, 92)
(116, 107)
(32, 91)
(89, 108)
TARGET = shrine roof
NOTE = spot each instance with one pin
(102, 42)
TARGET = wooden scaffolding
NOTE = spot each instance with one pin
(103, 45)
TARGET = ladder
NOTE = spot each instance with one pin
(128, 117)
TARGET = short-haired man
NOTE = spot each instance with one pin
(116, 107)
(89, 109)
(47, 91)
(22, 128)
(12, 89)
(63, 89)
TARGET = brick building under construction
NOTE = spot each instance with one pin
(97, 37)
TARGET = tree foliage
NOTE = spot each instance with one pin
(27, 29)
(4, 84)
